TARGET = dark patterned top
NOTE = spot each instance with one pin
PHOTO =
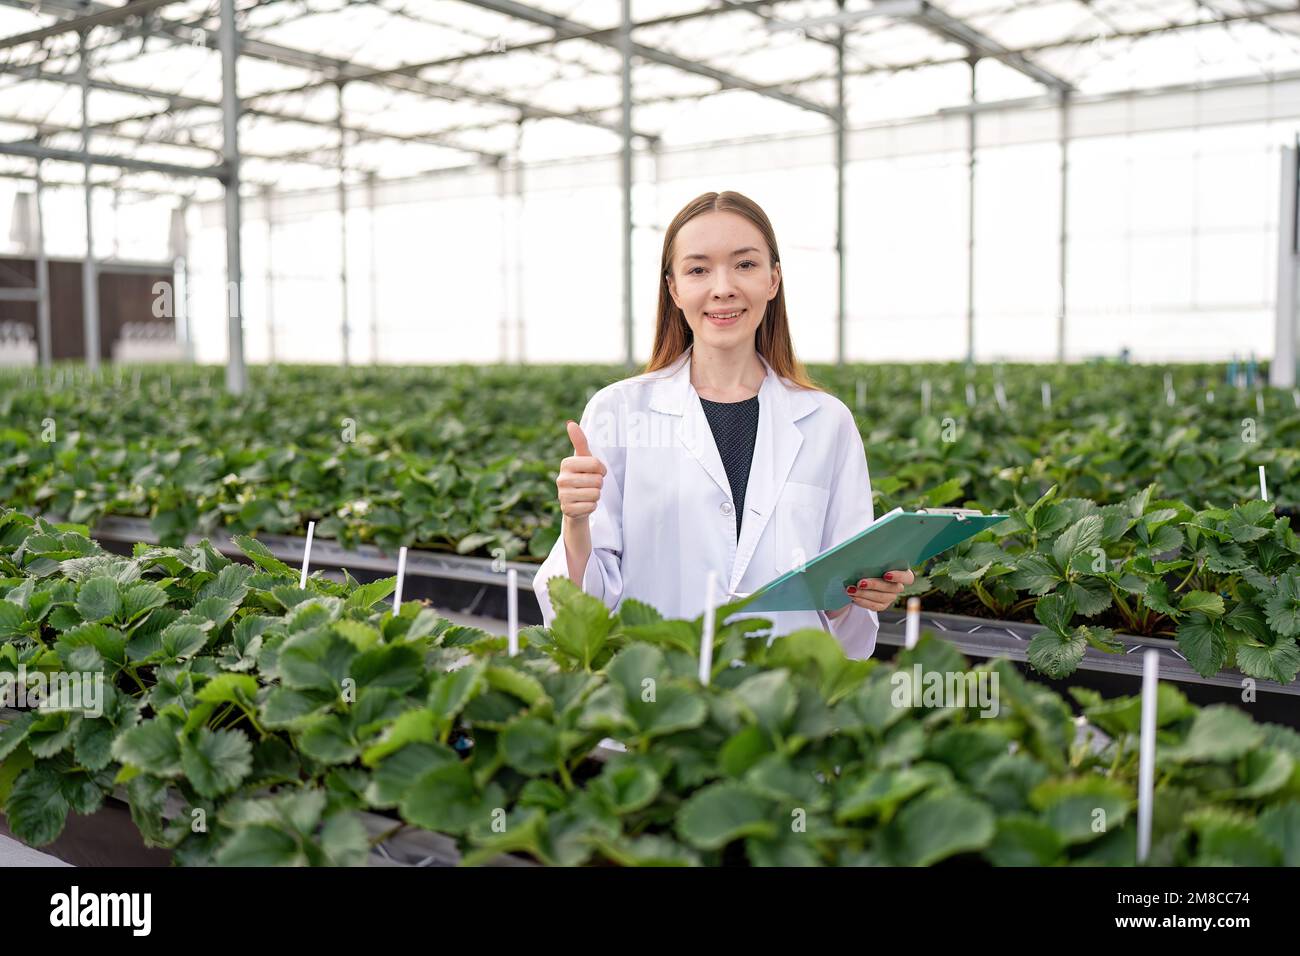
(735, 428)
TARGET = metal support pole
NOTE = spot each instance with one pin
(841, 119)
(180, 250)
(236, 372)
(970, 221)
(374, 270)
(89, 273)
(117, 216)
(1282, 370)
(625, 47)
(268, 204)
(343, 233)
(504, 201)
(519, 242)
(42, 274)
(1064, 234)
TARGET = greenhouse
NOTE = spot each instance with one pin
(684, 433)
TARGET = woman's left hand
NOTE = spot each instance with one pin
(875, 594)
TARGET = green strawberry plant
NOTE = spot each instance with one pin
(248, 721)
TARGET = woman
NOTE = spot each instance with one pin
(722, 456)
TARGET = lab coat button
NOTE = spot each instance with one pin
(726, 508)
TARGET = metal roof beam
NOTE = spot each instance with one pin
(959, 31)
(572, 28)
(178, 102)
(36, 151)
(102, 16)
(337, 69)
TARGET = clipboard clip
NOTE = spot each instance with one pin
(961, 514)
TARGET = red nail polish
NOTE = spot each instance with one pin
(889, 575)
(852, 589)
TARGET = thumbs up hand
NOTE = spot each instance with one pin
(581, 477)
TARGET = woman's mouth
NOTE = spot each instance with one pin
(724, 318)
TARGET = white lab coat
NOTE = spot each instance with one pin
(666, 517)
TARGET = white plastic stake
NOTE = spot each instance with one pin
(1169, 382)
(1047, 395)
(1169, 398)
(306, 554)
(925, 397)
(1295, 396)
(1209, 396)
(401, 578)
(1000, 394)
(1147, 752)
(512, 611)
(1263, 485)
(706, 644)
(913, 632)
(1259, 402)
(970, 394)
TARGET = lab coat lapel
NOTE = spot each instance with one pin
(775, 447)
(674, 395)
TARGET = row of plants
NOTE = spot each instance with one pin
(464, 458)
(458, 458)
(247, 720)
(1224, 583)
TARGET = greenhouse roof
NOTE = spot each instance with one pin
(428, 85)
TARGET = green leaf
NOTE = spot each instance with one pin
(326, 739)
(938, 825)
(770, 698)
(1057, 655)
(1082, 809)
(183, 639)
(233, 688)
(260, 845)
(316, 659)
(1054, 612)
(13, 621)
(1204, 643)
(152, 746)
(1283, 606)
(141, 598)
(1076, 539)
(445, 800)
(1205, 602)
(230, 584)
(451, 692)
(37, 810)
(723, 812)
(368, 595)
(398, 666)
(1279, 661)
(1220, 732)
(1280, 825)
(531, 746)
(215, 761)
(398, 771)
(414, 726)
(261, 555)
(1024, 841)
(581, 623)
(1034, 573)
(98, 599)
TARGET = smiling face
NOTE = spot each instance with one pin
(721, 266)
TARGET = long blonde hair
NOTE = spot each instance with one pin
(772, 340)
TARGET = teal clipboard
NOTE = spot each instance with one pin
(895, 542)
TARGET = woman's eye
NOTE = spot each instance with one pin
(691, 272)
(748, 263)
